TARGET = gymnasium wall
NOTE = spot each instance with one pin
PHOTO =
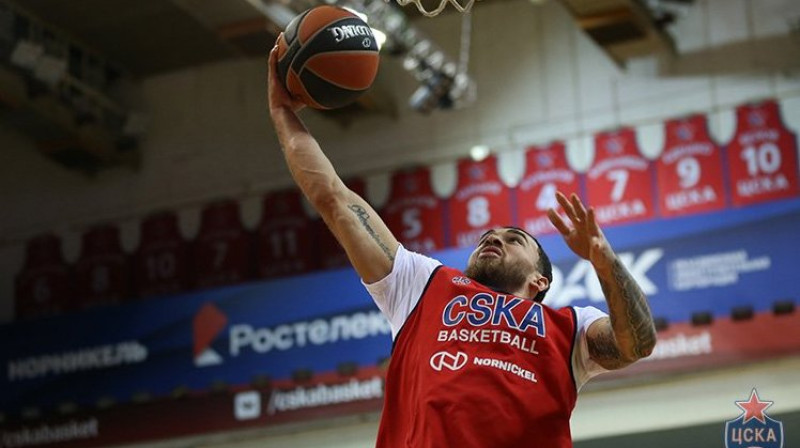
(538, 78)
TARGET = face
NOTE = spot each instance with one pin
(505, 259)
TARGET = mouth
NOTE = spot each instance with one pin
(490, 251)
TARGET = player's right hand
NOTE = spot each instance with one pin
(279, 98)
(584, 236)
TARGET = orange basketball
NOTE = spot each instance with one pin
(327, 57)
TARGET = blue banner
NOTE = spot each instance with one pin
(317, 322)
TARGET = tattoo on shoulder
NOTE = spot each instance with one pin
(363, 217)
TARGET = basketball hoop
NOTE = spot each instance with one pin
(442, 4)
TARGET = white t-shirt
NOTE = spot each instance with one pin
(397, 294)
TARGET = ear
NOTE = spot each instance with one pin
(538, 283)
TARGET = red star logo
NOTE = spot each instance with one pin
(754, 408)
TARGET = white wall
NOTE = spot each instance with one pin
(538, 78)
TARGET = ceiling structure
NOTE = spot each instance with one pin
(148, 37)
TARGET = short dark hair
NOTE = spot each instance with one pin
(544, 266)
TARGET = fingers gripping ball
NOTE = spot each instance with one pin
(327, 57)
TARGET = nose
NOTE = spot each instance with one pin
(494, 240)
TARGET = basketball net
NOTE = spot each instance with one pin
(442, 4)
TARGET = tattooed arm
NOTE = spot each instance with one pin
(366, 239)
(628, 334)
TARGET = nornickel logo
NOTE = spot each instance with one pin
(207, 324)
(446, 360)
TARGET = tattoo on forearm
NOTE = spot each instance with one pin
(363, 217)
(630, 313)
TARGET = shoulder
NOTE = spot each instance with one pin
(581, 317)
(585, 316)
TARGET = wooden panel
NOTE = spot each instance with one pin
(621, 27)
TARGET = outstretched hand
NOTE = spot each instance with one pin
(278, 96)
(584, 236)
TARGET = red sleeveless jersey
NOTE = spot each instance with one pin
(102, 273)
(162, 260)
(44, 286)
(689, 169)
(472, 367)
(762, 158)
(481, 202)
(619, 183)
(413, 212)
(222, 247)
(285, 240)
(546, 171)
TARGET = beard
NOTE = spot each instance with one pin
(498, 274)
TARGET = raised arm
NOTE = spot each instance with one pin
(628, 334)
(369, 244)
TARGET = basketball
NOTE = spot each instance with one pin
(327, 57)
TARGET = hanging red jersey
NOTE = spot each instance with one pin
(689, 169)
(481, 202)
(102, 273)
(222, 247)
(546, 171)
(762, 158)
(619, 181)
(162, 262)
(331, 253)
(413, 212)
(43, 286)
(285, 237)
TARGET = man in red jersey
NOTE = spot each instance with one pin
(478, 360)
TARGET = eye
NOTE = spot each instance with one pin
(516, 239)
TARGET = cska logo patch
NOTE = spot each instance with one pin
(685, 132)
(757, 119)
(544, 160)
(461, 281)
(614, 145)
(476, 172)
(754, 428)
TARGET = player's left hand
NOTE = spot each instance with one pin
(584, 236)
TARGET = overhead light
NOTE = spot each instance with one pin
(26, 53)
(380, 37)
(479, 152)
(360, 14)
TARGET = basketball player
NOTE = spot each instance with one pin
(478, 360)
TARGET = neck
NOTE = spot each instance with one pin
(522, 293)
